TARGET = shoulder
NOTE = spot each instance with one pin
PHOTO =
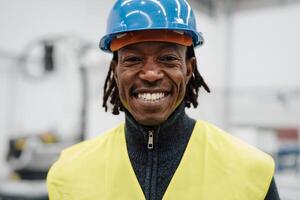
(75, 158)
(83, 150)
(244, 164)
(231, 147)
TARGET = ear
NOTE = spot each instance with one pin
(190, 67)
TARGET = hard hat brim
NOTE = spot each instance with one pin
(105, 41)
(177, 37)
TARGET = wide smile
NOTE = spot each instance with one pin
(149, 98)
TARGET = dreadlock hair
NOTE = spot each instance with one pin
(192, 89)
(194, 84)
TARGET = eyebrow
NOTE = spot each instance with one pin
(164, 46)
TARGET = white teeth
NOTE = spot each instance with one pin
(148, 96)
(151, 96)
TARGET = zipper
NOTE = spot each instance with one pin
(151, 168)
(150, 139)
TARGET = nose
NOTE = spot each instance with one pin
(151, 72)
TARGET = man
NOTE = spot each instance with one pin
(160, 152)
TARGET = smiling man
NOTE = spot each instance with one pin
(159, 152)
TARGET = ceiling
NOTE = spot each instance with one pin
(210, 6)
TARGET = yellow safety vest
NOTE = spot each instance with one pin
(215, 166)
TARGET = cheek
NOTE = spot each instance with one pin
(178, 78)
(180, 81)
(124, 82)
(122, 78)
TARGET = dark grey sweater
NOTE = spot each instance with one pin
(155, 167)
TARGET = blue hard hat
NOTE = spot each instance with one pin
(134, 15)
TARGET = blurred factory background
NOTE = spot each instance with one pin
(52, 75)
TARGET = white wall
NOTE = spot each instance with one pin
(266, 47)
(23, 21)
(265, 61)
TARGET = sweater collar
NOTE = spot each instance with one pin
(175, 117)
(170, 132)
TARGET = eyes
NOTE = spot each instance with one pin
(164, 59)
(132, 59)
(169, 58)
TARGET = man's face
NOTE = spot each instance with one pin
(152, 78)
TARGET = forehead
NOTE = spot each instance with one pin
(153, 48)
